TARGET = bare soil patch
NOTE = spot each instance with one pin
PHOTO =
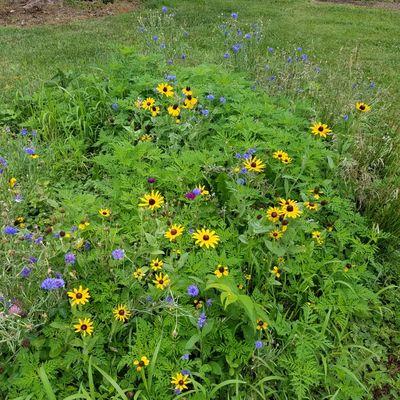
(26, 13)
(372, 4)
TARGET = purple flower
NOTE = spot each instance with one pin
(190, 195)
(193, 290)
(196, 191)
(236, 47)
(234, 15)
(289, 59)
(28, 236)
(185, 372)
(304, 57)
(18, 198)
(39, 240)
(270, 50)
(29, 150)
(185, 357)
(10, 230)
(164, 9)
(259, 344)
(247, 36)
(15, 309)
(24, 131)
(70, 258)
(299, 49)
(202, 320)
(169, 300)
(151, 180)
(238, 155)
(3, 162)
(222, 100)
(33, 260)
(74, 228)
(118, 254)
(155, 38)
(25, 272)
(177, 391)
(272, 78)
(243, 170)
(52, 283)
(183, 56)
(252, 151)
(227, 55)
(210, 97)
(87, 246)
(191, 230)
(246, 155)
(205, 112)
(239, 32)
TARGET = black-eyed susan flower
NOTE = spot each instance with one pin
(190, 102)
(84, 326)
(155, 110)
(146, 138)
(121, 313)
(347, 267)
(289, 208)
(148, 103)
(161, 281)
(320, 129)
(286, 160)
(221, 271)
(138, 274)
(105, 212)
(152, 200)
(282, 156)
(363, 107)
(276, 271)
(20, 222)
(156, 264)
(174, 110)
(254, 164)
(173, 232)
(276, 234)
(261, 325)
(79, 296)
(206, 237)
(180, 381)
(311, 205)
(165, 89)
(143, 362)
(273, 214)
(316, 193)
(187, 91)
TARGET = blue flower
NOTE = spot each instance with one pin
(114, 106)
(243, 170)
(304, 57)
(33, 260)
(28, 236)
(205, 112)
(39, 240)
(196, 191)
(170, 62)
(270, 49)
(259, 344)
(247, 36)
(238, 155)
(25, 272)
(185, 372)
(183, 56)
(3, 162)
(372, 85)
(210, 97)
(209, 302)
(10, 230)
(236, 47)
(241, 181)
(191, 230)
(299, 49)
(52, 283)
(222, 100)
(24, 131)
(289, 59)
(118, 254)
(164, 9)
(170, 77)
(185, 357)
(70, 258)
(193, 290)
(234, 15)
(202, 320)
(345, 117)
(18, 198)
(163, 46)
(227, 55)
(155, 38)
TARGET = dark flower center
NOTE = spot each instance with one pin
(206, 237)
(79, 295)
(253, 164)
(348, 265)
(311, 204)
(175, 106)
(189, 97)
(320, 128)
(285, 222)
(62, 233)
(141, 363)
(181, 382)
(289, 208)
(152, 202)
(154, 108)
(165, 89)
(280, 155)
(149, 103)
(121, 312)
(362, 107)
(173, 232)
(275, 234)
(156, 264)
(161, 281)
(104, 212)
(221, 269)
(83, 327)
(188, 88)
(260, 323)
(274, 214)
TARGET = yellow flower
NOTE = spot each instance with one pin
(187, 91)
(286, 160)
(316, 193)
(347, 267)
(178, 119)
(143, 362)
(316, 235)
(147, 104)
(281, 260)
(273, 214)
(247, 277)
(275, 234)
(173, 232)
(34, 156)
(180, 381)
(146, 138)
(311, 205)
(155, 110)
(205, 237)
(281, 155)
(363, 107)
(203, 190)
(138, 103)
(261, 325)
(105, 212)
(174, 110)
(161, 281)
(19, 221)
(152, 200)
(254, 164)
(156, 264)
(221, 271)
(12, 182)
(138, 274)
(289, 208)
(276, 271)
(79, 296)
(121, 313)
(85, 326)
(318, 128)
(165, 89)
(189, 102)
(83, 225)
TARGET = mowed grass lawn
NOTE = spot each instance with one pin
(333, 33)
